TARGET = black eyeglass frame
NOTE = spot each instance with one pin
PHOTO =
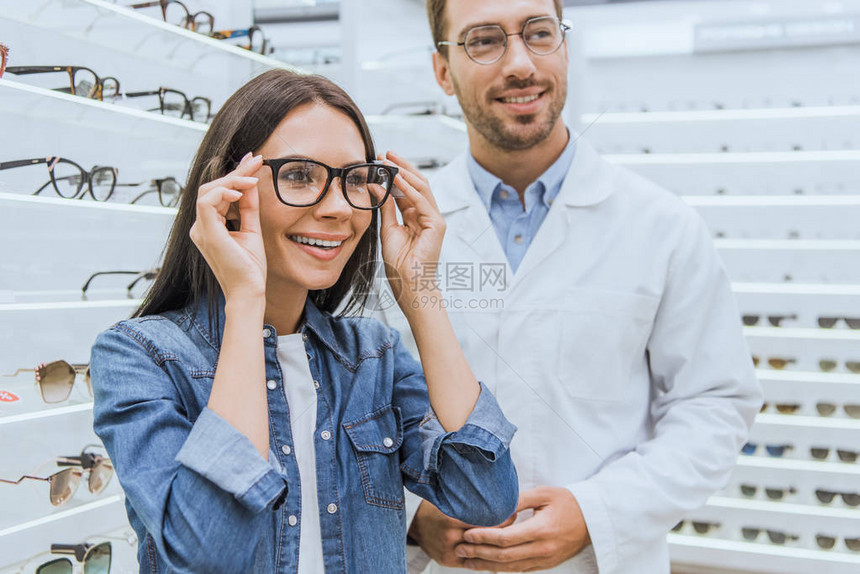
(85, 176)
(157, 186)
(188, 108)
(565, 27)
(331, 172)
(190, 20)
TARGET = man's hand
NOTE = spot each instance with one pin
(556, 533)
(438, 534)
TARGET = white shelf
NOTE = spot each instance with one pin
(849, 335)
(423, 137)
(708, 116)
(119, 29)
(771, 158)
(48, 412)
(769, 201)
(799, 289)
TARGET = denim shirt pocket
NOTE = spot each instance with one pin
(376, 438)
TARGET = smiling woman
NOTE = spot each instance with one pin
(242, 407)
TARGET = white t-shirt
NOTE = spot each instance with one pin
(302, 401)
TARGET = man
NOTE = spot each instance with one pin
(612, 342)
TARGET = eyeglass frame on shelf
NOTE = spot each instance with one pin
(188, 109)
(331, 173)
(148, 275)
(52, 162)
(96, 93)
(156, 186)
(564, 25)
(190, 20)
(265, 49)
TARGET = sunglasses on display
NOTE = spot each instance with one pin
(94, 558)
(828, 365)
(775, 536)
(257, 42)
(828, 409)
(778, 363)
(56, 379)
(487, 44)
(64, 484)
(830, 322)
(68, 178)
(168, 190)
(774, 320)
(826, 542)
(827, 496)
(699, 527)
(304, 182)
(822, 453)
(178, 14)
(83, 81)
(176, 104)
(750, 490)
(774, 450)
(782, 408)
(148, 275)
(4, 57)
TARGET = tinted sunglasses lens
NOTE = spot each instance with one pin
(826, 365)
(819, 453)
(750, 533)
(825, 496)
(847, 455)
(775, 493)
(851, 498)
(826, 542)
(55, 381)
(853, 322)
(778, 362)
(788, 409)
(750, 320)
(825, 409)
(776, 537)
(61, 566)
(100, 475)
(748, 490)
(853, 544)
(678, 526)
(776, 450)
(853, 366)
(748, 448)
(98, 559)
(852, 411)
(64, 484)
(827, 322)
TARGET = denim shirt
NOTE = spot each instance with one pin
(202, 499)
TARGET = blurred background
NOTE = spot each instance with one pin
(748, 110)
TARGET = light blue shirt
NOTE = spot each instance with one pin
(516, 227)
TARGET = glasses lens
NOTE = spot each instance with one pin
(203, 22)
(748, 448)
(100, 475)
(827, 322)
(748, 490)
(176, 13)
(750, 533)
(819, 453)
(85, 83)
(367, 186)
(825, 409)
(168, 192)
(485, 44)
(67, 178)
(853, 322)
(787, 409)
(824, 496)
(750, 320)
(103, 180)
(755, 360)
(779, 362)
(98, 559)
(776, 450)
(89, 381)
(703, 527)
(200, 109)
(542, 35)
(678, 526)
(776, 537)
(775, 493)
(852, 411)
(110, 88)
(174, 104)
(826, 365)
(826, 542)
(853, 544)
(300, 183)
(847, 455)
(60, 566)
(64, 484)
(55, 381)
(853, 366)
(851, 498)
(258, 42)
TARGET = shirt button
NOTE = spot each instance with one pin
(504, 194)
(286, 449)
(387, 441)
(549, 201)
(331, 508)
(309, 356)
(304, 336)
(272, 385)
(518, 239)
(267, 333)
(325, 435)
(292, 520)
(316, 384)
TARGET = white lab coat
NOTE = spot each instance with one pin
(618, 353)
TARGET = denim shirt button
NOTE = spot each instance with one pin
(387, 442)
(272, 385)
(331, 508)
(286, 449)
(325, 435)
(316, 384)
(304, 336)
(267, 333)
(292, 520)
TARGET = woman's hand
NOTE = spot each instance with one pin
(411, 250)
(237, 258)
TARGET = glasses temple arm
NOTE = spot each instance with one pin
(78, 550)
(96, 274)
(22, 163)
(25, 477)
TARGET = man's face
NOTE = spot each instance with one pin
(512, 103)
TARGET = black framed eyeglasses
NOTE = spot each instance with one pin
(4, 56)
(83, 81)
(257, 42)
(168, 190)
(542, 35)
(68, 178)
(304, 182)
(176, 104)
(176, 13)
(95, 558)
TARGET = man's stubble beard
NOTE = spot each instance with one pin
(495, 130)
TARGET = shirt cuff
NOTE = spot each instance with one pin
(486, 431)
(218, 452)
(596, 516)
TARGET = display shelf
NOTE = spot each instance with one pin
(133, 33)
(423, 137)
(790, 260)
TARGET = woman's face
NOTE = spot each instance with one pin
(318, 132)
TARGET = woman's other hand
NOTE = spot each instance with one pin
(237, 258)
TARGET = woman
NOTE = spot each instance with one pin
(252, 431)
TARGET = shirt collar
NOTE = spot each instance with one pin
(550, 181)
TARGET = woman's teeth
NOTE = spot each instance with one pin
(316, 242)
(522, 100)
